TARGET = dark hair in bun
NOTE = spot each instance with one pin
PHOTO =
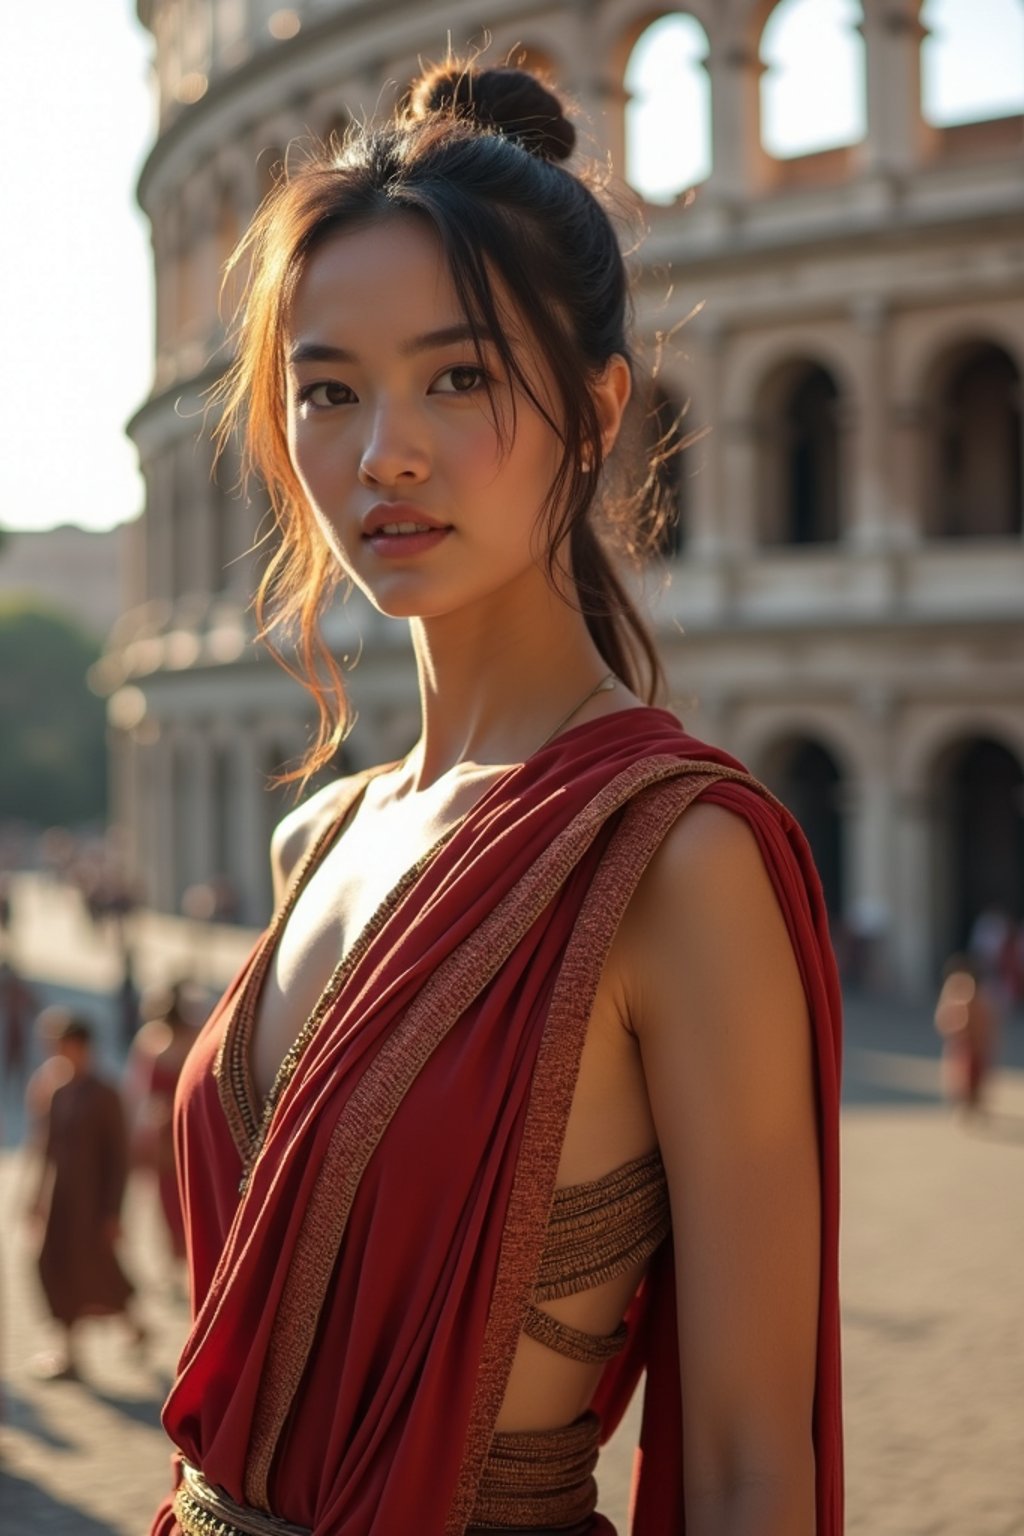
(503, 100)
(516, 229)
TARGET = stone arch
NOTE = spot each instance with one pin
(799, 453)
(972, 67)
(974, 433)
(813, 61)
(623, 22)
(668, 138)
(922, 350)
(752, 363)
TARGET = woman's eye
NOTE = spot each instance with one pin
(463, 379)
(325, 394)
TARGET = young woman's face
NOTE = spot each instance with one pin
(392, 433)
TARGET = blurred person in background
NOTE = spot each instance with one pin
(151, 1076)
(995, 951)
(76, 1205)
(967, 1019)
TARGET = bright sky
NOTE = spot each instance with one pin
(76, 117)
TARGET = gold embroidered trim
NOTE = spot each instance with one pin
(659, 789)
(231, 1068)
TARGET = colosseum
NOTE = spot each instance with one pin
(842, 598)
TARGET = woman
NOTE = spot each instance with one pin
(547, 1017)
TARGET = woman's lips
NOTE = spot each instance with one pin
(397, 530)
(403, 539)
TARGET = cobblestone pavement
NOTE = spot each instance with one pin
(932, 1250)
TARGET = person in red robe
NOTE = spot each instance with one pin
(77, 1206)
(530, 1089)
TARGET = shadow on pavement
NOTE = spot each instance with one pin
(1006, 1128)
(22, 1414)
(27, 1507)
(894, 1329)
(141, 1410)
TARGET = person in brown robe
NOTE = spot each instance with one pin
(78, 1199)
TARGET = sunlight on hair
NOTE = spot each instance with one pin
(668, 118)
(813, 90)
(972, 61)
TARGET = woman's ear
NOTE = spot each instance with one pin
(612, 389)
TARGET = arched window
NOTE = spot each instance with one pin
(813, 93)
(979, 824)
(799, 479)
(976, 484)
(668, 115)
(972, 61)
(806, 777)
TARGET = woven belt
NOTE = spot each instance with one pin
(534, 1483)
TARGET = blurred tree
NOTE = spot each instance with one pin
(52, 729)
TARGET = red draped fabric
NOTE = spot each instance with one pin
(357, 1303)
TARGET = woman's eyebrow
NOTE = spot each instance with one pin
(322, 352)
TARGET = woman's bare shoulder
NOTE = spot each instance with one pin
(295, 834)
(707, 935)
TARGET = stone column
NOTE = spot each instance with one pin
(201, 808)
(739, 482)
(165, 255)
(250, 873)
(909, 439)
(871, 903)
(163, 873)
(893, 35)
(735, 71)
(209, 513)
(160, 482)
(868, 524)
(706, 537)
(913, 858)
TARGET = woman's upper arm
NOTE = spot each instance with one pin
(719, 1009)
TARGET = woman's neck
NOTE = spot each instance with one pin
(497, 681)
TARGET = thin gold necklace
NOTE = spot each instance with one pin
(606, 685)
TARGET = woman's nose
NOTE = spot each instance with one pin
(395, 450)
